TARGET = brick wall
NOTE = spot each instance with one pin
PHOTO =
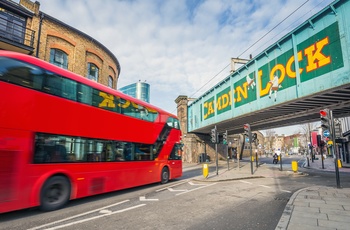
(80, 49)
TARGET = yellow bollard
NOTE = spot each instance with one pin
(295, 166)
(253, 158)
(205, 170)
(339, 163)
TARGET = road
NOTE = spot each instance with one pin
(181, 204)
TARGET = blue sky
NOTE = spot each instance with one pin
(177, 46)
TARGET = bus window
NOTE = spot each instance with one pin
(50, 149)
(52, 84)
(176, 124)
(69, 89)
(173, 122)
(84, 94)
(144, 152)
(176, 153)
(20, 73)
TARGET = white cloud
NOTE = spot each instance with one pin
(177, 48)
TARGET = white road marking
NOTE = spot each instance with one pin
(82, 214)
(177, 190)
(105, 211)
(194, 189)
(95, 217)
(246, 182)
(142, 198)
(173, 185)
(264, 186)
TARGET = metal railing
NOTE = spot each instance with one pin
(16, 33)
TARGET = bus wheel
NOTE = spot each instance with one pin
(165, 175)
(55, 193)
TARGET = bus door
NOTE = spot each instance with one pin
(175, 161)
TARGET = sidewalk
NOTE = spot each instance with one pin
(318, 207)
(244, 171)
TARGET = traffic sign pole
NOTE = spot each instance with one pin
(334, 149)
(216, 153)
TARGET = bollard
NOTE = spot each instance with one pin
(339, 163)
(280, 159)
(295, 166)
(205, 170)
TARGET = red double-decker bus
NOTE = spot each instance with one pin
(63, 136)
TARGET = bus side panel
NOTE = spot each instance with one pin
(175, 169)
(12, 165)
(8, 180)
(113, 176)
(106, 177)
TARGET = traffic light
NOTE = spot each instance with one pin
(214, 136)
(325, 119)
(224, 138)
(254, 137)
(246, 129)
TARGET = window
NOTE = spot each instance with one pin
(173, 122)
(51, 148)
(12, 26)
(176, 152)
(92, 72)
(59, 86)
(59, 58)
(110, 81)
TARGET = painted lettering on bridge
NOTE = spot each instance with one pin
(209, 108)
(314, 57)
(223, 100)
(245, 90)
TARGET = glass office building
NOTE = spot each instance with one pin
(139, 90)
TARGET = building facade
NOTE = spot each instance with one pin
(139, 90)
(25, 29)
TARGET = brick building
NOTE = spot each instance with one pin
(25, 29)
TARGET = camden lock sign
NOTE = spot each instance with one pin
(316, 56)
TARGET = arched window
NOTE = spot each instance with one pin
(110, 81)
(59, 58)
(92, 72)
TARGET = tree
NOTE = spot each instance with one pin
(269, 138)
(306, 129)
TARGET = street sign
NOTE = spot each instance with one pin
(326, 133)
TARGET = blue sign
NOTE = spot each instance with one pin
(326, 133)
